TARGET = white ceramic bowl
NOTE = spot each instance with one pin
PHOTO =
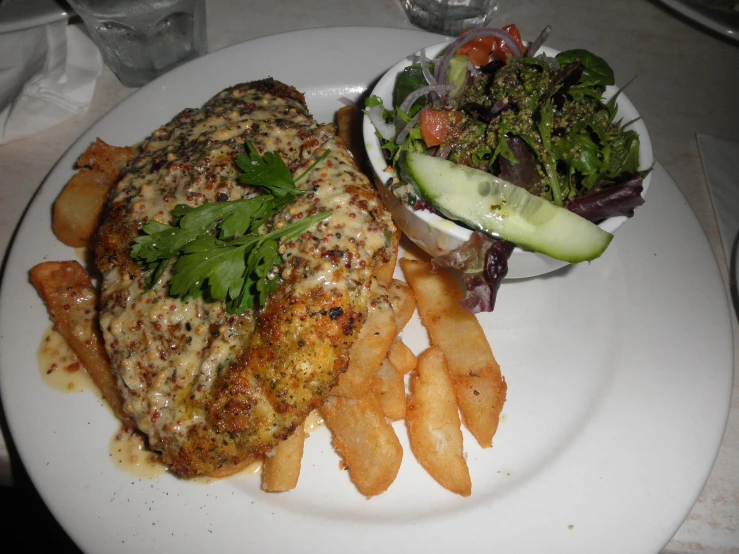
(437, 235)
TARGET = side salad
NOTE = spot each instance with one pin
(495, 115)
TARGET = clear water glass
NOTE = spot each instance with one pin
(450, 17)
(142, 39)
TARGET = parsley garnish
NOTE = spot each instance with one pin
(218, 247)
(270, 172)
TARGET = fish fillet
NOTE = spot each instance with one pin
(212, 391)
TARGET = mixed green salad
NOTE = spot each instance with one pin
(517, 146)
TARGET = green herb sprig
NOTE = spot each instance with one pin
(218, 247)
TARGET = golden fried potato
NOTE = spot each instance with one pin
(434, 427)
(365, 440)
(77, 209)
(403, 302)
(402, 357)
(384, 272)
(389, 389)
(349, 123)
(71, 300)
(478, 383)
(367, 352)
(281, 470)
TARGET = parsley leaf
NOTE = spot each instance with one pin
(218, 248)
(268, 171)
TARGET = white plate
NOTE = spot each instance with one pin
(16, 15)
(710, 14)
(619, 379)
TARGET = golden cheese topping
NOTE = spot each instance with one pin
(169, 353)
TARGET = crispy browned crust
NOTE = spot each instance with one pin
(270, 388)
(266, 86)
(113, 240)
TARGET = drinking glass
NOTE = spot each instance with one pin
(450, 17)
(141, 39)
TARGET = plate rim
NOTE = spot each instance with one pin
(708, 18)
(77, 146)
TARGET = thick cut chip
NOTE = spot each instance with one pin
(367, 352)
(71, 300)
(281, 470)
(402, 357)
(478, 383)
(384, 272)
(77, 209)
(365, 440)
(434, 427)
(349, 123)
(403, 302)
(389, 389)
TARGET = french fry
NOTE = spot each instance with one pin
(77, 208)
(389, 389)
(403, 302)
(281, 470)
(402, 357)
(384, 272)
(434, 427)
(71, 300)
(478, 383)
(349, 123)
(367, 352)
(365, 440)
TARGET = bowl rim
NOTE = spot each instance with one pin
(384, 87)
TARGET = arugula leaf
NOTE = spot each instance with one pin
(546, 117)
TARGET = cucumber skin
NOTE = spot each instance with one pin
(543, 227)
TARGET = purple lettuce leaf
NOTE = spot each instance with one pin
(483, 262)
(618, 199)
(522, 172)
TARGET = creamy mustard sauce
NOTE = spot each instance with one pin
(59, 366)
(129, 453)
(313, 422)
(168, 352)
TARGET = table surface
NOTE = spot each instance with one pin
(687, 82)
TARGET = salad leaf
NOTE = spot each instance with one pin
(596, 72)
(410, 79)
(619, 199)
(483, 262)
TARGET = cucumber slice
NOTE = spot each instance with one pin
(503, 210)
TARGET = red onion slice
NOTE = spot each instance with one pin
(416, 94)
(424, 67)
(470, 36)
(400, 139)
(443, 153)
(543, 36)
(386, 130)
